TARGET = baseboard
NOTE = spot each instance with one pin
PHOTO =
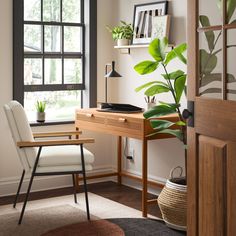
(137, 185)
(8, 186)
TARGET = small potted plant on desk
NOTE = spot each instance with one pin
(173, 198)
(40, 107)
(122, 34)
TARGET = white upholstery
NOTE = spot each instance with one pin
(52, 159)
(51, 156)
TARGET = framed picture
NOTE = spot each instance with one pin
(160, 26)
(143, 20)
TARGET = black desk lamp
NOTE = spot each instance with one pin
(111, 74)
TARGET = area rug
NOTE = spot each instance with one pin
(60, 214)
(116, 227)
(47, 214)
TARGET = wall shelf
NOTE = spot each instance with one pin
(126, 49)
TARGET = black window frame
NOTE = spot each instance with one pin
(89, 63)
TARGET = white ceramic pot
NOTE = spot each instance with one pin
(122, 42)
(40, 116)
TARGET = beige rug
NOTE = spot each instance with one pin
(47, 214)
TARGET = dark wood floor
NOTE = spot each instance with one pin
(122, 194)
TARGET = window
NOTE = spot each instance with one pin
(49, 55)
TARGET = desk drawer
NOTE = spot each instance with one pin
(90, 117)
(126, 123)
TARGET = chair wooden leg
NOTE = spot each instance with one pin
(19, 187)
(85, 183)
(30, 184)
(74, 187)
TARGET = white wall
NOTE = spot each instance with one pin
(163, 155)
(10, 168)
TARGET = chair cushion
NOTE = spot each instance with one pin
(64, 156)
(46, 169)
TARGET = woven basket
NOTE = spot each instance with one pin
(173, 202)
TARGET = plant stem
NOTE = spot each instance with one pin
(183, 129)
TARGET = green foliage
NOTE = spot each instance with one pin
(124, 31)
(208, 59)
(174, 83)
(231, 5)
(205, 22)
(40, 106)
(146, 67)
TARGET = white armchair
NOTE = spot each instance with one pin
(47, 157)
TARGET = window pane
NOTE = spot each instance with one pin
(72, 39)
(72, 71)
(32, 38)
(52, 39)
(32, 71)
(60, 105)
(211, 60)
(71, 11)
(231, 68)
(51, 10)
(212, 9)
(53, 71)
(32, 10)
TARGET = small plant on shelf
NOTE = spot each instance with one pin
(122, 34)
(40, 107)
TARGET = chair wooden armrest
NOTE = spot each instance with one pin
(63, 142)
(56, 134)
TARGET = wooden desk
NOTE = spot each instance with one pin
(123, 125)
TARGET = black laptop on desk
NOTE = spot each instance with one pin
(119, 108)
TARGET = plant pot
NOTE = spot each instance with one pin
(41, 116)
(172, 202)
(122, 42)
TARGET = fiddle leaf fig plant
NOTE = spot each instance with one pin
(172, 82)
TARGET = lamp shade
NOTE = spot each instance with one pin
(112, 73)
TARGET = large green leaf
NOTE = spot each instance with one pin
(208, 62)
(146, 67)
(174, 75)
(231, 6)
(175, 132)
(161, 124)
(172, 105)
(179, 86)
(210, 36)
(156, 89)
(157, 49)
(160, 110)
(176, 52)
(180, 123)
(207, 79)
(149, 84)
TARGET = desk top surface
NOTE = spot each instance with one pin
(109, 114)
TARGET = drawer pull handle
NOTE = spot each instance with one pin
(89, 115)
(122, 120)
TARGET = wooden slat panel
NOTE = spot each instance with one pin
(54, 142)
(212, 177)
(56, 134)
(192, 24)
(216, 118)
(192, 172)
(231, 188)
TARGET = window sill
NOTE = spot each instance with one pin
(51, 122)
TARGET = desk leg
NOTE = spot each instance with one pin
(119, 159)
(144, 178)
